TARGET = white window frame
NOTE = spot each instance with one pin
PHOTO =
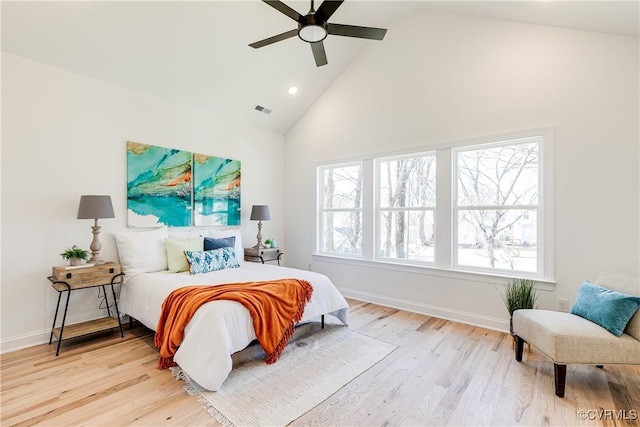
(445, 221)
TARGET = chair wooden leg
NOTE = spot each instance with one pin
(513, 344)
(560, 374)
(519, 348)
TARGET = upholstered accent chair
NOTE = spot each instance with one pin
(570, 339)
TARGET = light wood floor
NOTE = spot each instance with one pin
(443, 373)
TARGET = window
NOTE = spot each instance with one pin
(496, 206)
(482, 206)
(405, 207)
(340, 216)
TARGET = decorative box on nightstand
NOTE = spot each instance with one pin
(262, 255)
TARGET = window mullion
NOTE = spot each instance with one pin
(443, 214)
(368, 200)
(407, 209)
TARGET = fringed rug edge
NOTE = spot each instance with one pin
(193, 389)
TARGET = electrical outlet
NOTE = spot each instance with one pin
(563, 305)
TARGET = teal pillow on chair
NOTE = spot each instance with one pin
(608, 308)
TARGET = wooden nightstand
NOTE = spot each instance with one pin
(65, 279)
(262, 255)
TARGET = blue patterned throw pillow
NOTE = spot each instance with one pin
(608, 308)
(213, 260)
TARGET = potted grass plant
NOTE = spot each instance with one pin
(75, 255)
(518, 294)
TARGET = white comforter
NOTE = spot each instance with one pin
(220, 328)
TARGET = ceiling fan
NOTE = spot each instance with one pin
(313, 28)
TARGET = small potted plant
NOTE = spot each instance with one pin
(75, 255)
(267, 243)
(519, 293)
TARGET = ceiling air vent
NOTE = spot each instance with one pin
(264, 110)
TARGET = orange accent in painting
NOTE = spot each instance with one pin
(184, 178)
(233, 184)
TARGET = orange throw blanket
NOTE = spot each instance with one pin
(275, 306)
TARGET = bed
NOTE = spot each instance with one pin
(219, 328)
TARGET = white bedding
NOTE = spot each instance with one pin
(220, 328)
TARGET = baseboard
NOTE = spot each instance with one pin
(430, 310)
(36, 338)
(24, 341)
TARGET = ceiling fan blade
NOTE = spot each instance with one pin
(354, 31)
(283, 8)
(274, 39)
(319, 54)
(327, 8)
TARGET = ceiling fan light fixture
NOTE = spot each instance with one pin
(312, 33)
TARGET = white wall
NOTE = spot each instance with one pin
(64, 135)
(439, 78)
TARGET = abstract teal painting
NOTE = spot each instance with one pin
(216, 190)
(158, 186)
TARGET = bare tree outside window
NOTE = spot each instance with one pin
(406, 200)
(341, 209)
(497, 206)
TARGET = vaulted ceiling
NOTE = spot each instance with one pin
(196, 53)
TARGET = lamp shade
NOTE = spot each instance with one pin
(92, 207)
(260, 213)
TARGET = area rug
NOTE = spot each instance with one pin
(312, 367)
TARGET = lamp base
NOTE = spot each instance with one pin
(259, 245)
(96, 260)
(96, 245)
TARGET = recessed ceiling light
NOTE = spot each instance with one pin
(293, 90)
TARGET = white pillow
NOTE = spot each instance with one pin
(217, 234)
(176, 259)
(142, 251)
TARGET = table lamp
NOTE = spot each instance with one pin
(260, 213)
(95, 207)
